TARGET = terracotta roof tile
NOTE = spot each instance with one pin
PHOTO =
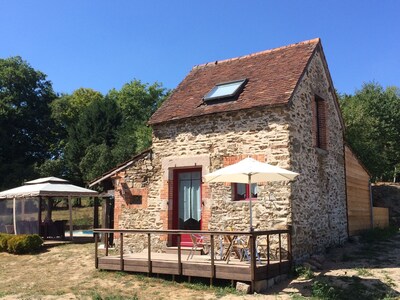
(272, 77)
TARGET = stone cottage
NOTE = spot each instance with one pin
(277, 106)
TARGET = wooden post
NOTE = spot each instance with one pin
(96, 245)
(268, 256)
(49, 208)
(40, 216)
(149, 254)
(71, 235)
(96, 212)
(179, 255)
(289, 242)
(253, 260)
(121, 252)
(212, 260)
(280, 253)
(106, 242)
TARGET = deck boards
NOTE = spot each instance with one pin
(198, 266)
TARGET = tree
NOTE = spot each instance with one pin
(66, 111)
(91, 139)
(67, 108)
(27, 131)
(137, 102)
(372, 119)
(97, 132)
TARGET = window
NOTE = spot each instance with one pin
(320, 123)
(134, 199)
(225, 90)
(242, 191)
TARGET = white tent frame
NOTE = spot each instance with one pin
(47, 187)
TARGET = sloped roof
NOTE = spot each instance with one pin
(272, 77)
(118, 168)
(47, 187)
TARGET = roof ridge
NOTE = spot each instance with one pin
(312, 41)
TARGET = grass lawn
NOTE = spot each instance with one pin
(358, 270)
(67, 272)
(82, 216)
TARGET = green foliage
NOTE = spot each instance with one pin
(303, 272)
(67, 108)
(76, 136)
(85, 222)
(323, 290)
(363, 272)
(20, 244)
(97, 296)
(4, 238)
(90, 140)
(378, 234)
(219, 290)
(27, 131)
(51, 167)
(372, 119)
(137, 102)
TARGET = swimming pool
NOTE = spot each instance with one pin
(87, 233)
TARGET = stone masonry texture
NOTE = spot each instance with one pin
(314, 204)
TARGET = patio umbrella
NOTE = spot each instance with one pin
(250, 171)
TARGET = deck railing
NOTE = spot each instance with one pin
(273, 239)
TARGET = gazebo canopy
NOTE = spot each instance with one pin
(25, 214)
(47, 187)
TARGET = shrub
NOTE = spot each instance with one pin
(303, 272)
(4, 238)
(24, 243)
(323, 290)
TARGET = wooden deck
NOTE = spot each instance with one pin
(207, 266)
(198, 266)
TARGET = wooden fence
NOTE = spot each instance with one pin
(358, 195)
(381, 217)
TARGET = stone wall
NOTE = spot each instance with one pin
(314, 204)
(318, 194)
(209, 142)
(133, 209)
(261, 133)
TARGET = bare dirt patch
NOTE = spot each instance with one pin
(358, 270)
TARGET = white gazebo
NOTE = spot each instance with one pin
(32, 192)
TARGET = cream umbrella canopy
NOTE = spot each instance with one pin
(250, 171)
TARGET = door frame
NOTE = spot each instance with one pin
(175, 197)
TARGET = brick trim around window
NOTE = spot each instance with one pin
(241, 191)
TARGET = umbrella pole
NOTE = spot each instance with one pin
(251, 211)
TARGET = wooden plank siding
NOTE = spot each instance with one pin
(381, 217)
(358, 195)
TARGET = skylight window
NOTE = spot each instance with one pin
(225, 90)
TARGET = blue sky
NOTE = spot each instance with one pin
(103, 44)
